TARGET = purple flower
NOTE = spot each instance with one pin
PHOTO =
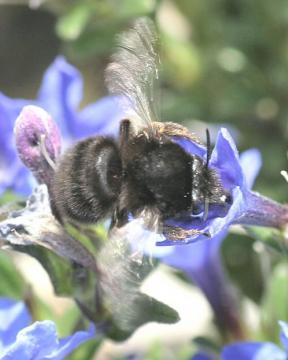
(258, 350)
(39, 341)
(60, 95)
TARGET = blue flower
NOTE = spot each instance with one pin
(236, 176)
(39, 341)
(202, 356)
(201, 260)
(258, 350)
(60, 95)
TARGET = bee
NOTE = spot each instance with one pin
(144, 173)
(143, 177)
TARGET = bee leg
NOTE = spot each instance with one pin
(172, 129)
(119, 218)
(125, 132)
(175, 233)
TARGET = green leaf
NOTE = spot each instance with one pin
(86, 350)
(144, 309)
(42, 311)
(243, 264)
(12, 283)
(59, 269)
(67, 322)
(95, 41)
(105, 20)
(183, 65)
(274, 305)
(68, 278)
(207, 346)
(271, 238)
(91, 237)
(132, 8)
(71, 25)
(150, 309)
(9, 197)
(206, 343)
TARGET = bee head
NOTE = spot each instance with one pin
(207, 188)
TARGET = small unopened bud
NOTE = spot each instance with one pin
(38, 142)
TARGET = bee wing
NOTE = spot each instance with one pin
(133, 72)
(124, 266)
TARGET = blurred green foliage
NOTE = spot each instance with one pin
(274, 303)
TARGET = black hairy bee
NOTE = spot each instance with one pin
(145, 172)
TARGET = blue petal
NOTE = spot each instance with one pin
(252, 351)
(219, 224)
(213, 226)
(202, 356)
(39, 342)
(67, 345)
(191, 147)
(60, 94)
(284, 334)
(225, 159)
(251, 162)
(33, 342)
(201, 262)
(23, 182)
(13, 175)
(14, 316)
(9, 110)
(102, 117)
(196, 256)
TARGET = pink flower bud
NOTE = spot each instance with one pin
(38, 141)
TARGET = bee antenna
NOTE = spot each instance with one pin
(209, 149)
(209, 152)
(124, 135)
(125, 128)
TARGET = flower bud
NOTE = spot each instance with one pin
(38, 141)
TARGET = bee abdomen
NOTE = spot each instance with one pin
(87, 180)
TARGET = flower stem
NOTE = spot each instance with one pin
(262, 211)
(222, 297)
